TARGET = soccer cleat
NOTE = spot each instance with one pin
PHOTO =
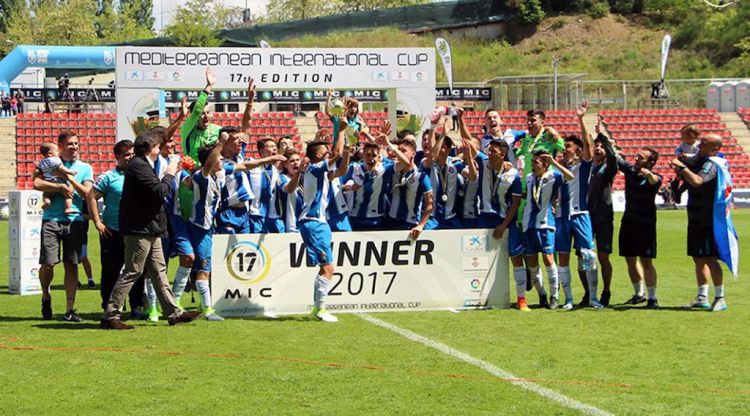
(596, 305)
(553, 302)
(700, 302)
(92, 284)
(323, 315)
(46, 309)
(522, 306)
(719, 305)
(78, 284)
(652, 304)
(210, 315)
(604, 299)
(568, 306)
(636, 299)
(584, 301)
(543, 301)
(137, 314)
(152, 314)
(72, 316)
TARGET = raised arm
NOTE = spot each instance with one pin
(254, 163)
(465, 130)
(200, 104)
(174, 125)
(470, 156)
(585, 136)
(247, 116)
(343, 164)
(567, 175)
(294, 181)
(329, 100)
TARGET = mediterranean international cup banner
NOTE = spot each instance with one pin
(256, 274)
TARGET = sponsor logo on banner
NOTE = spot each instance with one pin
(248, 262)
(134, 76)
(475, 263)
(419, 76)
(380, 76)
(175, 76)
(109, 57)
(475, 242)
(399, 76)
(154, 76)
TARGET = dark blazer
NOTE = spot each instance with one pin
(142, 202)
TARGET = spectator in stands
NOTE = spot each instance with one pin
(60, 227)
(685, 152)
(13, 105)
(47, 105)
(142, 224)
(197, 131)
(701, 243)
(109, 188)
(5, 101)
(454, 116)
(599, 199)
(638, 228)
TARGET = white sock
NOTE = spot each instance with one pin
(703, 290)
(181, 277)
(321, 291)
(553, 280)
(719, 291)
(519, 275)
(564, 272)
(638, 288)
(536, 278)
(150, 294)
(592, 278)
(204, 291)
(651, 292)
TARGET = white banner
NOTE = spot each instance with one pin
(444, 50)
(276, 68)
(25, 231)
(665, 54)
(256, 274)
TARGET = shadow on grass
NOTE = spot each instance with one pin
(622, 308)
(68, 325)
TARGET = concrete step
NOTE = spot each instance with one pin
(738, 128)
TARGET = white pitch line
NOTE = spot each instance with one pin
(484, 365)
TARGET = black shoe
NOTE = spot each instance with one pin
(46, 309)
(92, 284)
(78, 284)
(72, 316)
(584, 303)
(543, 302)
(636, 299)
(137, 314)
(114, 324)
(604, 299)
(652, 304)
(553, 302)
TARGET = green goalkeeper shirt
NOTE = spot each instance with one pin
(194, 138)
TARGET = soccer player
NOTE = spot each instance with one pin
(638, 227)
(493, 131)
(538, 136)
(349, 123)
(109, 187)
(701, 243)
(542, 188)
(232, 217)
(59, 227)
(572, 219)
(265, 184)
(315, 231)
(372, 178)
(446, 179)
(197, 131)
(291, 198)
(603, 171)
(411, 195)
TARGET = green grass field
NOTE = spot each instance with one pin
(618, 361)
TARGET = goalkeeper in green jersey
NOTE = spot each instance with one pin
(197, 131)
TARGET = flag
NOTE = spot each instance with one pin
(725, 234)
(665, 54)
(444, 50)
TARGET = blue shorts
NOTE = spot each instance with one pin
(317, 238)
(202, 241)
(339, 222)
(179, 239)
(539, 241)
(484, 220)
(450, 224)
(366, 224)
(578, 228)
(233, 221)
(260, 225)
(516, 243)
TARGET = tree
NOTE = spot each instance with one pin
(7, 9)
(288, 10)
(140, 10)
(197, 23)
(531, 11)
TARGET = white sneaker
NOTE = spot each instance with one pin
(324, 316)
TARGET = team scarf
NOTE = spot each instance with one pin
(725, 234)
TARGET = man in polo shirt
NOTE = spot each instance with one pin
(109, 187)
(59, 227)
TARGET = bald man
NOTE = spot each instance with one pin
(701, 244)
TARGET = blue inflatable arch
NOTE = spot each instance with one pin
(73, 57)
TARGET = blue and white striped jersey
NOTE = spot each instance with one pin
(509, 186)
(540, 195)
(481, 196)
(408, 190)
(207, 196)
(337, 198)
(371, 199)
(446, 180)
(160, 166)
(291, 205)
(264, 185)
(172, 200)
(315, 192)
(236, 189)
(573, 194)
